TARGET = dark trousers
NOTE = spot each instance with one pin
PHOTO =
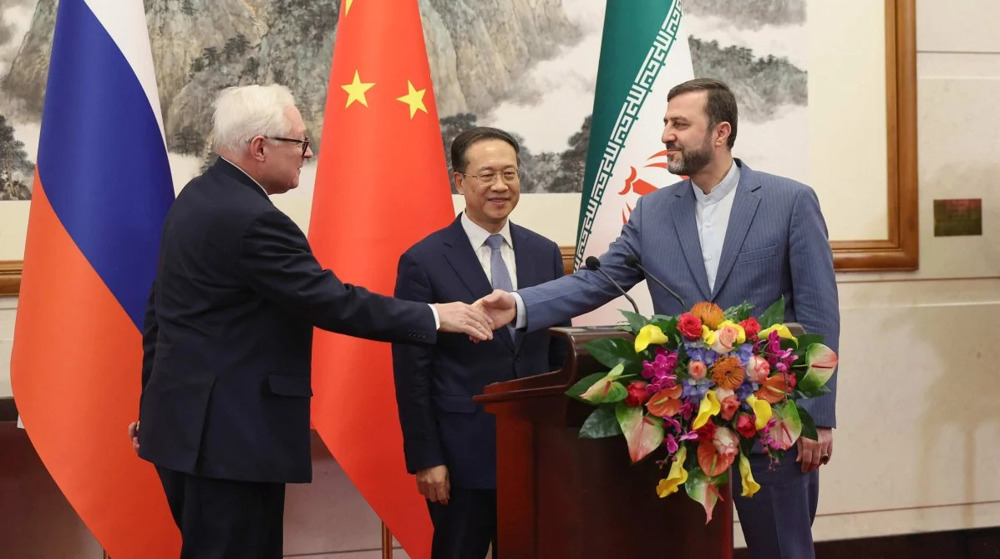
(777, 521)
(466, 526)
(225, 519)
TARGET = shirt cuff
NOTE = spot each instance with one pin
(437, 320)
(521, 320)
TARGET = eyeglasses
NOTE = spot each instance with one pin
(304, 142)
(489, 177)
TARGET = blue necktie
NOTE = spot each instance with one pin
(499, 276)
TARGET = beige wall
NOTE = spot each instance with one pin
(919, 403)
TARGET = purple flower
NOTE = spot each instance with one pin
(671, 444)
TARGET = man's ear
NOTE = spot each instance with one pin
(722, 132)
(257, 147)
(459, 179)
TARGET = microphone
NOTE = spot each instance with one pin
(632, 262)
(595, 265)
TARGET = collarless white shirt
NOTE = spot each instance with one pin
(712, 212)
(477, 237)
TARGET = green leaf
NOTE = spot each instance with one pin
(808, 425)
(821, 362)
(635, 321)
(775, 314)
(700, 489)
(739, 313)
(600, 388)
(806, 340)
(601, 423)
(644, 433)
(788, 427)
(584, 384)
(611, 351)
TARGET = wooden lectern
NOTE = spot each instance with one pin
(563, 497)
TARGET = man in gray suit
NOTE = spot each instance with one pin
(728, 234)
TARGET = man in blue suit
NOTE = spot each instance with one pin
(449, 441)
(228, 334)
(728, 234)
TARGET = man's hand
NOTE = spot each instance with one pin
(133, 433)
(434, 484)
(500, 306)
(465, 319)
(814, 454)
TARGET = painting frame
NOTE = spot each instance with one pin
(900, 250)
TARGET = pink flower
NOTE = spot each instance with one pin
(697, 370)
(729, 406)
(757, 368)
(726, 338)
(726, 443)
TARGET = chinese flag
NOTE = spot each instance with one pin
(381, 186)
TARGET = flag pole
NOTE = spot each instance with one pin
(386, 542)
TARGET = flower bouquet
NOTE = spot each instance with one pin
(706, 386)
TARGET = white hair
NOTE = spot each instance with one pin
(247, 111)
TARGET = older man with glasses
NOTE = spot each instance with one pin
(227, 341)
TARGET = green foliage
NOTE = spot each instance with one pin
(635, 321)
(601, 423)
(775, 314)
(611, 351)
(808, 425)
(584, 384)
(739, 313)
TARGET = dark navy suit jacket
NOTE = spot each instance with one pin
(435, 385)
(228, 334)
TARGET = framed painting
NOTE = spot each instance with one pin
(853, 136)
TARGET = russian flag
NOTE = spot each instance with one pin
(102, 189)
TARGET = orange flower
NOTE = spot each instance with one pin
(711, 315)
(728, 373)
(773, 389)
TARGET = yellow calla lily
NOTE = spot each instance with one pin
(709, 406)
(783, 332)
(675, 478)
(750, 485)
(761, 409)
(649, 334)
(707, 335)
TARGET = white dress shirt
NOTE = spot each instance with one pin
(712, 216)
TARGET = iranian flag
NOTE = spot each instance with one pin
(644, 52)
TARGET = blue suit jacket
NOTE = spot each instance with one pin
(776, 245)
(435, 385)
(228, 334)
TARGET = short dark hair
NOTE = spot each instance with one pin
(464, 141)
(721, 106)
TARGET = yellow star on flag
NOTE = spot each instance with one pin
(356, 91)
(347, 6)
(414, 98)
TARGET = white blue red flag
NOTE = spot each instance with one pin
(102, 188)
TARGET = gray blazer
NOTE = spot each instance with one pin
(776, 245)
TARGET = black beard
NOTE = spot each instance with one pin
(691, 162)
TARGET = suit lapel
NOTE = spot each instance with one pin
(745, 205)
(463, 260)
(684, 222)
